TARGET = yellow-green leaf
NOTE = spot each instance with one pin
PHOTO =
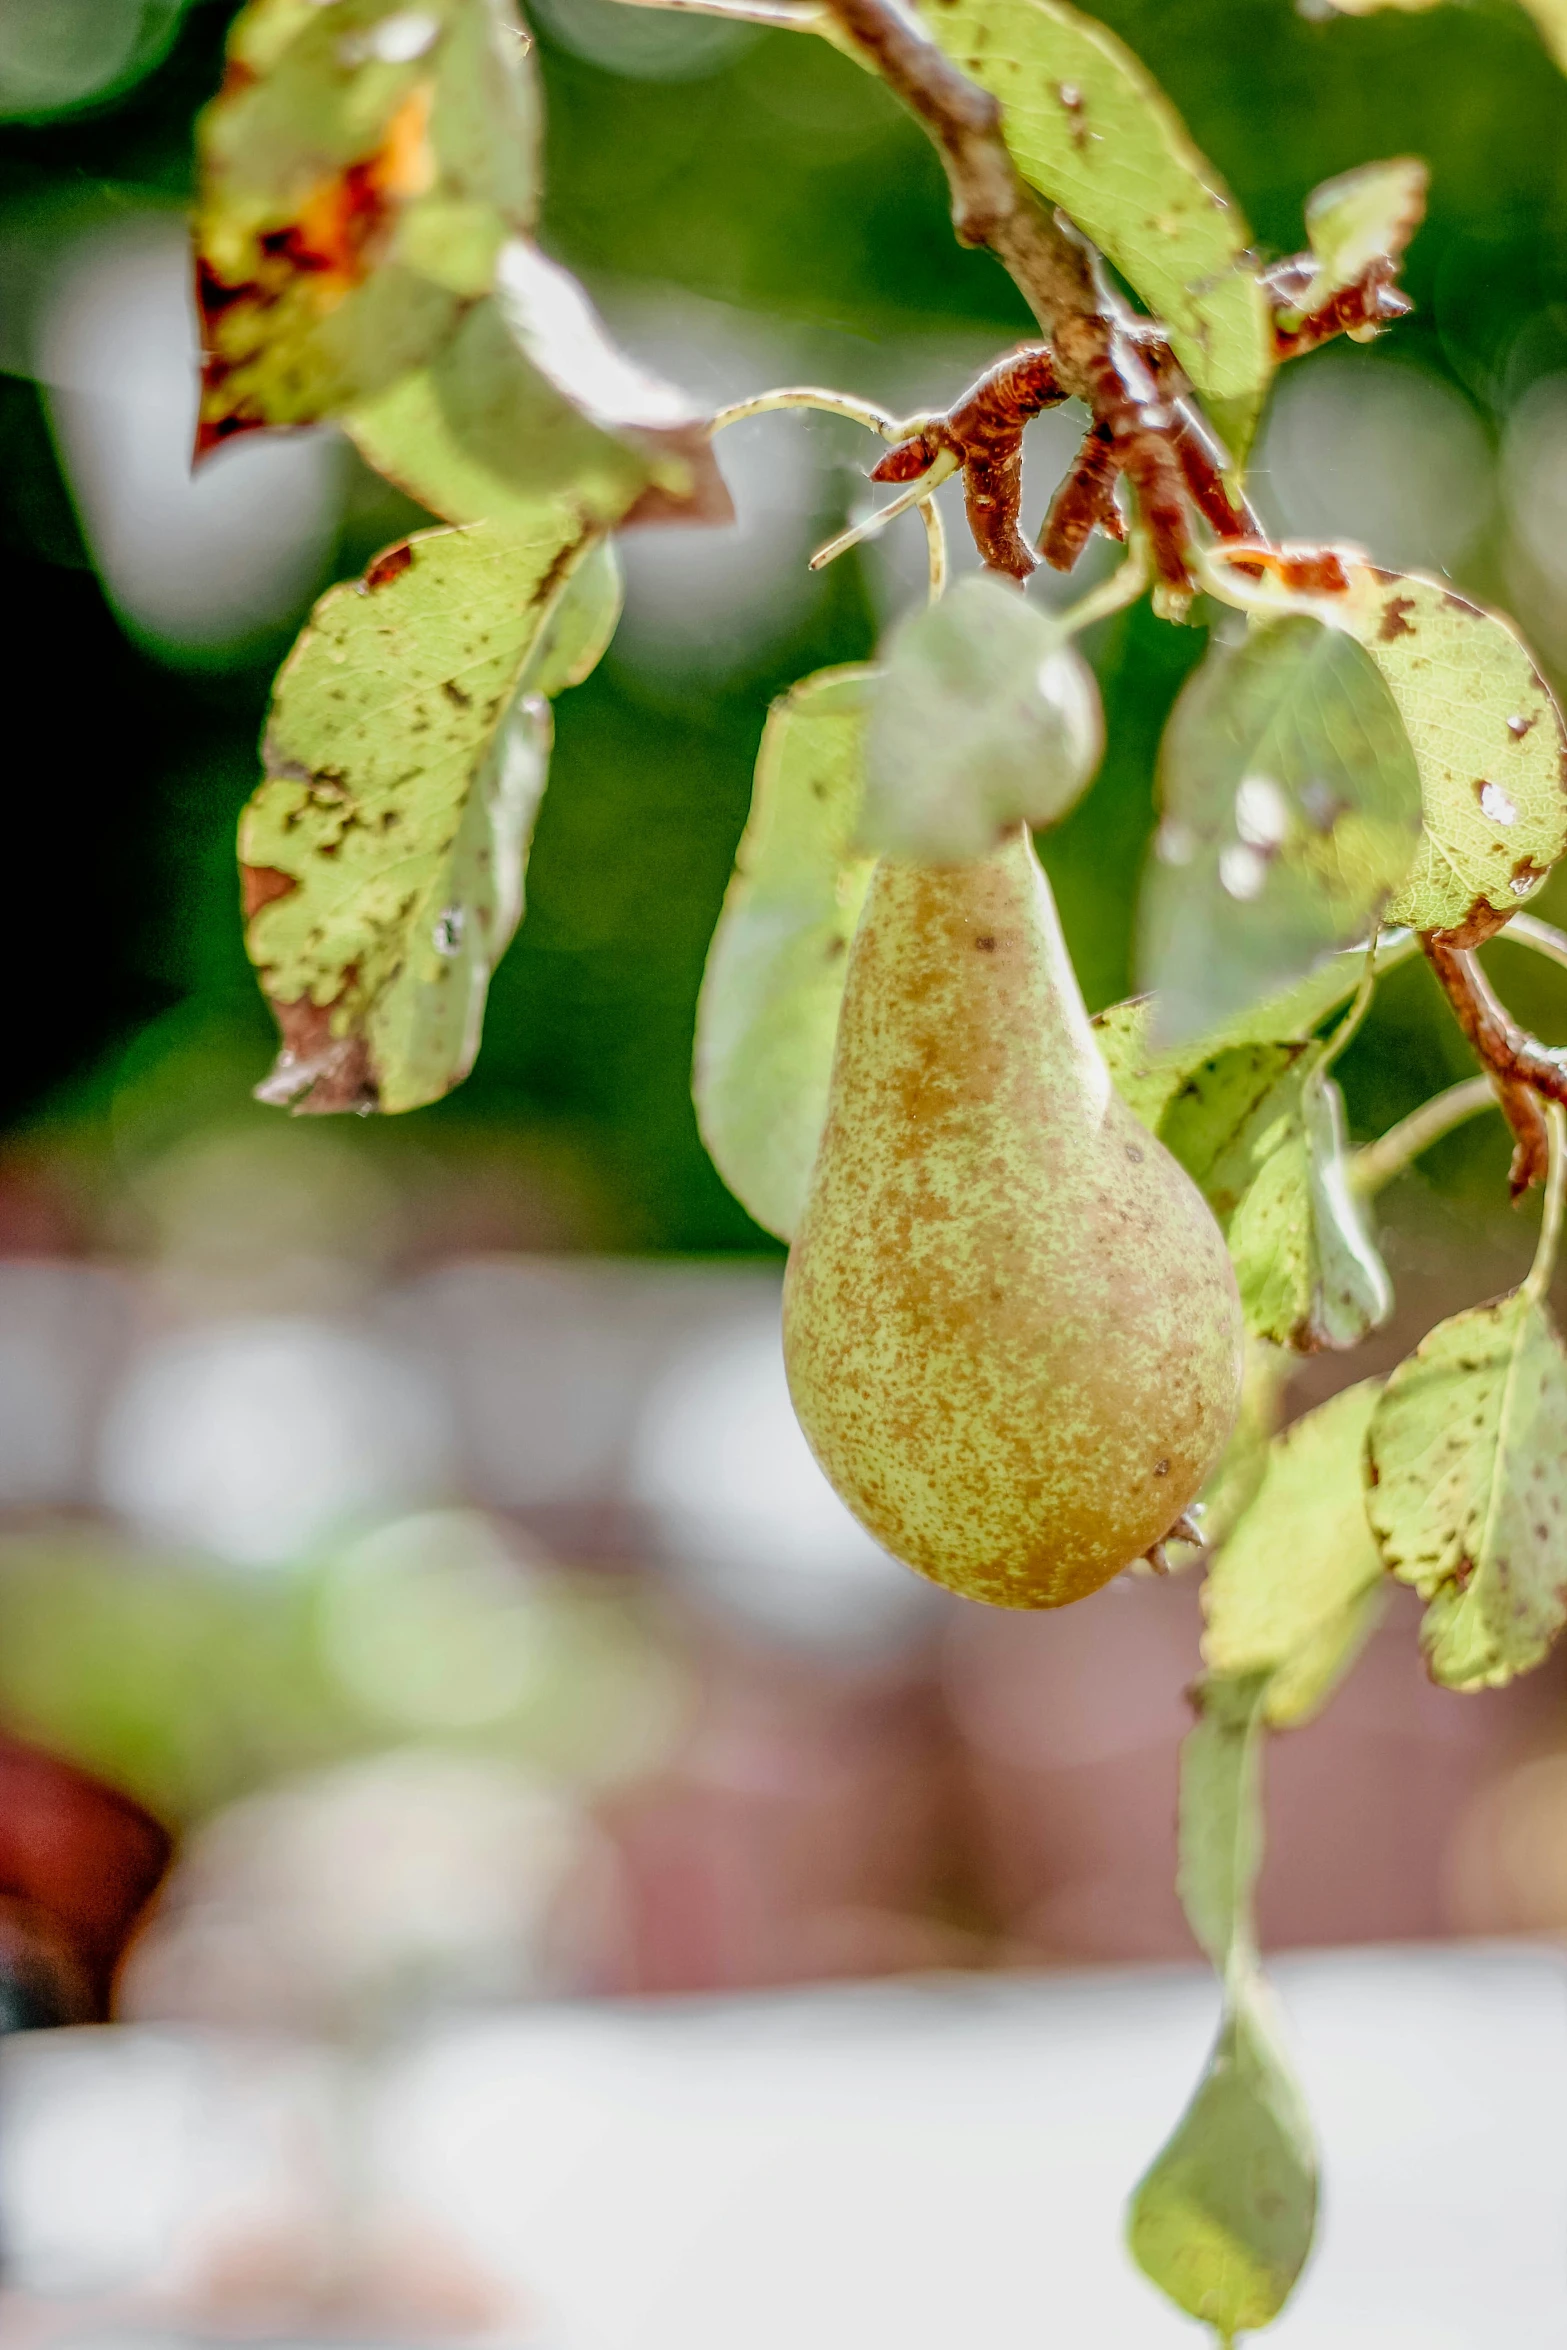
(406, 753)
(768, 1014)
(1148, 1076)
(1233, 1485)
(359, 175)
(1220, 1817)
(1487, 737)
(1222, 2220)
(1259, 1129)
(1467, 1461)
(1090, 128)
(1305, 1262)
(1298, 1586)
(529, 399)
(1363, 216)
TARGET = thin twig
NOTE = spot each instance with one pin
(1094, 341)
(1376, 1165)
(1526, 1072)
(875, 419)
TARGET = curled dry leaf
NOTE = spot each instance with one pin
(360, 171)
(1362, 218)
(406, 751)
(1089, 127)
(1467, 1467)
(773, 986)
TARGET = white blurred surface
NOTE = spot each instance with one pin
(1377, 452)
(198, 560)
(64, 1328)
(254, 1438)
(925, 2165)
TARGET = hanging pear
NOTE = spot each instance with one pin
(1012, 1331)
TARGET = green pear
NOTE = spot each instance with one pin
(1012, 1332)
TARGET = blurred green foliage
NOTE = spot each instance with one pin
(782, 180)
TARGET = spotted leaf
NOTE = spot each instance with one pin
(406, 754)
(1467, 1461)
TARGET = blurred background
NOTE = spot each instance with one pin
(407, 1555)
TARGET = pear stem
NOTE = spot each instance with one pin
(875, 419)
(1544, 1265)
(1377, 1164)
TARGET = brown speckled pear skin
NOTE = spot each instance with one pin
(1011, 1327)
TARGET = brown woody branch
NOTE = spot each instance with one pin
(1524, 1071)
(1145, 423)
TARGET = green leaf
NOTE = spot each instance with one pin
(1259, 1128)
(360, 173)
(1092, 131)
(1148, 1077)
(530, 399)
(1291, 812)
(1363, 216)
(1305, 1262)
(581, 622)
(1488, 740)
(1234, 1484)
(406, 754)
(768, 1013)
(983, 716)
(1299, 1585)
(1222, 2220)
(1467, 1463)
(61, 54)
(1221, 1816)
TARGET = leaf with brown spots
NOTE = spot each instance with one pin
(360, 171)
(1089, 127)
(768, 1014)
(1488, 740)
(1148, 1077)
(406, 754)
(1467, 1467)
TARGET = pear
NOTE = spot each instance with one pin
(1012, 1333)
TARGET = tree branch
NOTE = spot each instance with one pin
(1524, 1071)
